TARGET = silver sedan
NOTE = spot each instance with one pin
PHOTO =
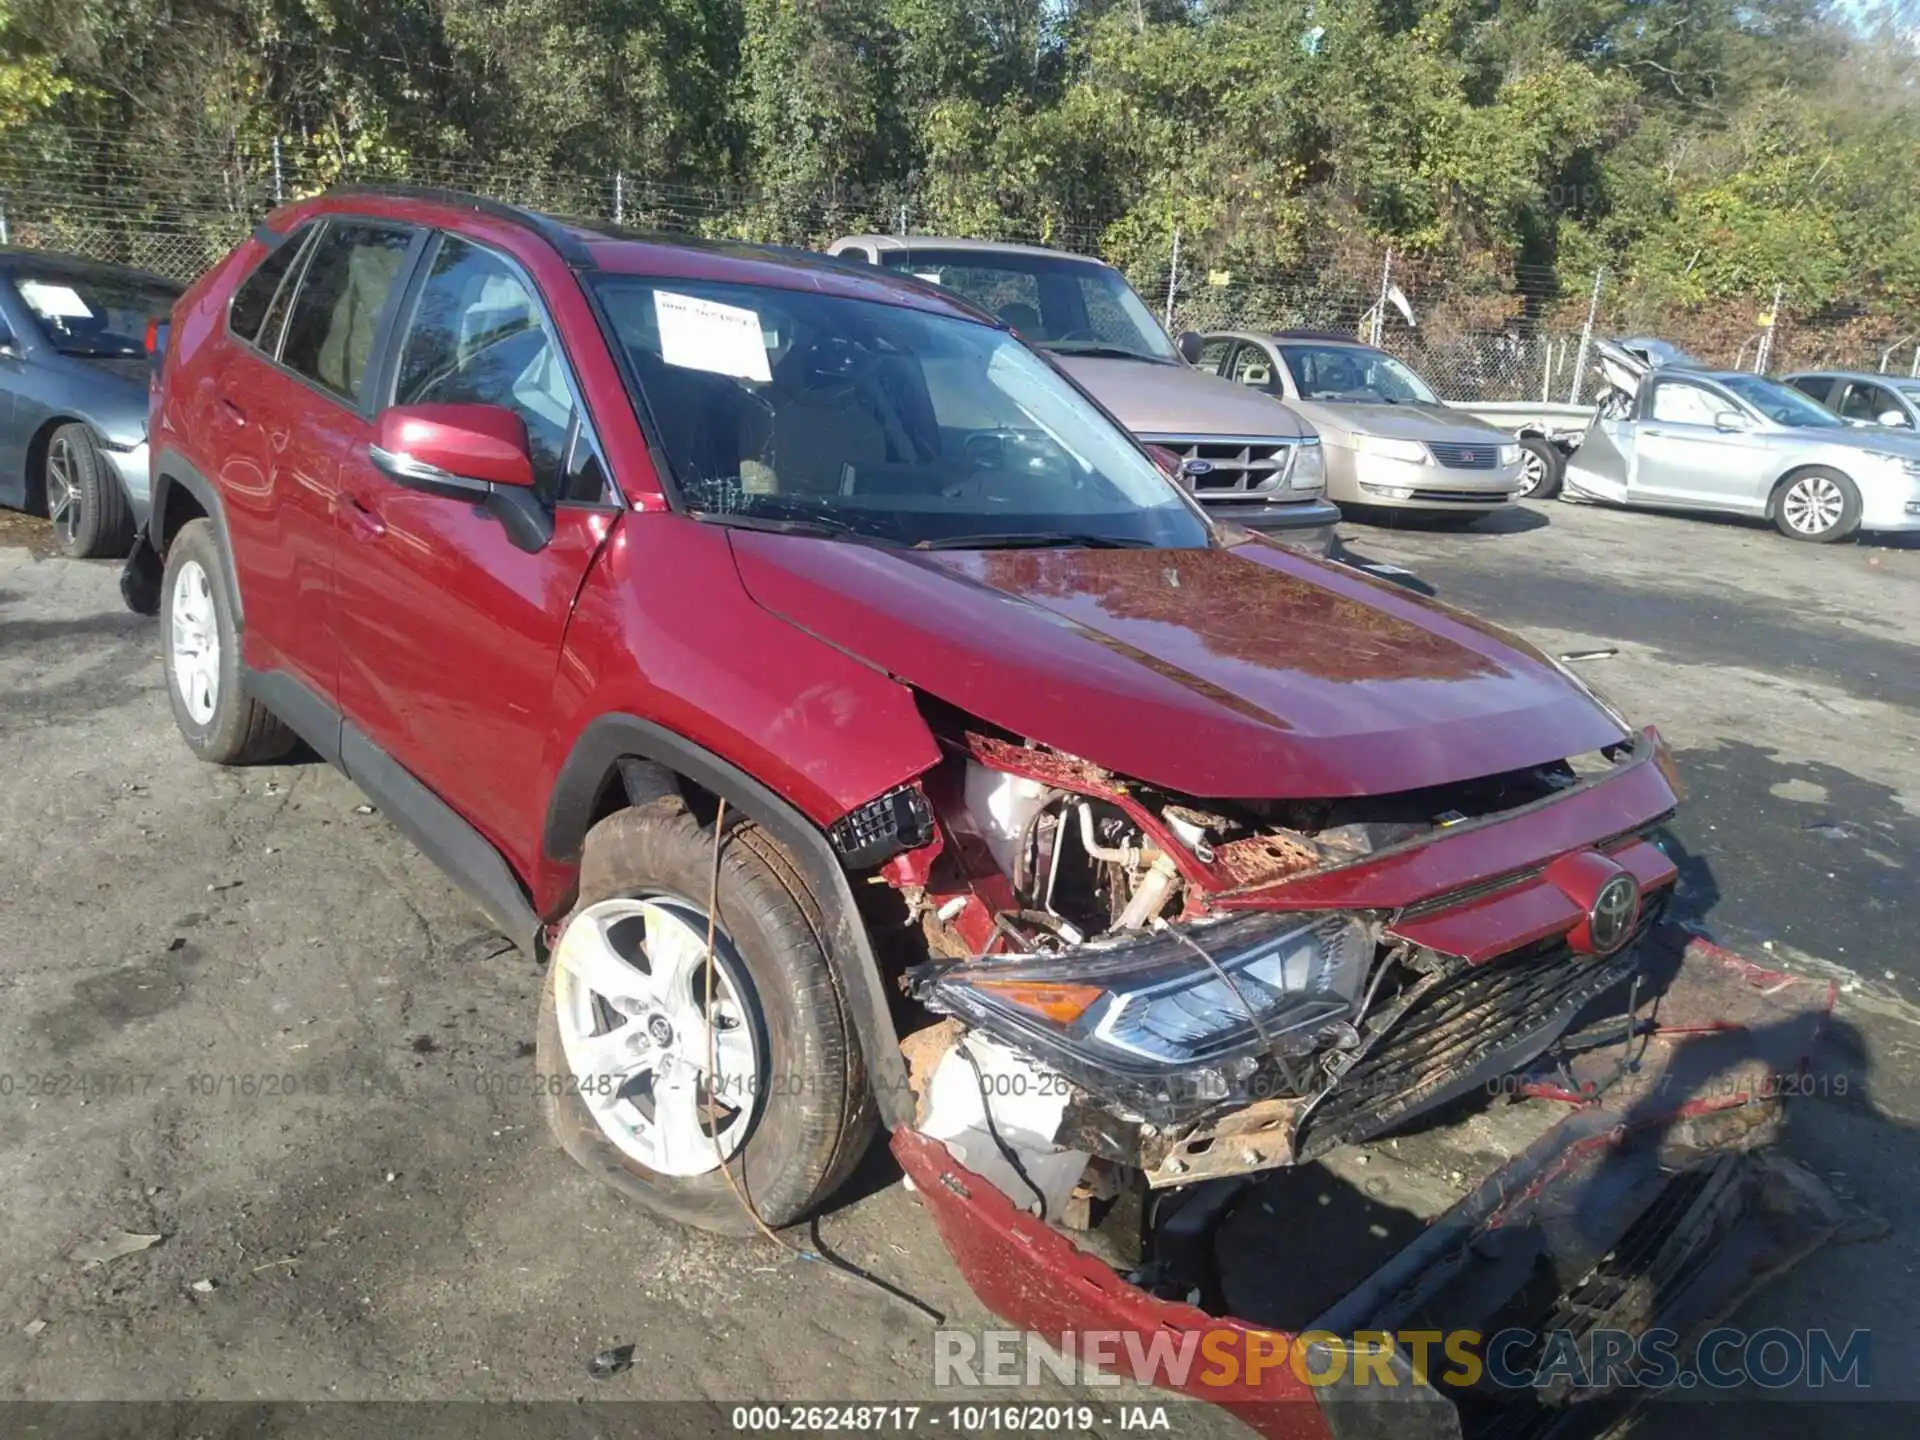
(1685, 439)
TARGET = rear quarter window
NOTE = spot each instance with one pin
(254, 298)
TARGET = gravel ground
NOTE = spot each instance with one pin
(238, 1012)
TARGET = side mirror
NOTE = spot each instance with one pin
(1731, 420)
(1189, 344)
(1892, 417)
(477, 453)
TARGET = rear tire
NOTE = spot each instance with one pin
(1817, 505)
(219, 721)
(807, 1108)
(90, 514)
(1542, 469)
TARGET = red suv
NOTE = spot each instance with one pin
(860, 726)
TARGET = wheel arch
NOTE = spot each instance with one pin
(623, 759)
(181, 493)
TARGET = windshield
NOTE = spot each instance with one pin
(863, 420)
(1349, 374)
(1782, 404)
(83, 314)
(1071, 307)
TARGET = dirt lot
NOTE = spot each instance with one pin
(238, 1012)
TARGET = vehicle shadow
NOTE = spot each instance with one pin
(1752, 524)
(1514, 519)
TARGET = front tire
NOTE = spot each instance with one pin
(220, 723)
(1817, 505)
(651, 1089)
(1542, 469)
(89, 510)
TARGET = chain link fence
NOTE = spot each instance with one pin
(1476, 333)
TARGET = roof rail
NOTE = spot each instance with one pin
(562, 239)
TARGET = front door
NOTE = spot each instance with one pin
(1684, 456)
(450, 635)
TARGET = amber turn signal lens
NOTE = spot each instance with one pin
(1062, 1004)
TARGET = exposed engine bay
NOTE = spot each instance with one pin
(1176, 1039)
(1119, 978)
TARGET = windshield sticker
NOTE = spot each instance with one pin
(55, 302)
(706, 335)
(931, 277)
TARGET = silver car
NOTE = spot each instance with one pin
(1244, 457)
(1679, 438)
(73, 394)
(1391, 444)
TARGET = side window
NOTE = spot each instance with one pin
(477, 337)
(1683, 404)
(330, 330)
(1869, 402)
(254, 299)
(1213, 355)
(1814, 387)
(1252, 367)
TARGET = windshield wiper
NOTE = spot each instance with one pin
(121, 352)
(817, 526)
(1034, 540)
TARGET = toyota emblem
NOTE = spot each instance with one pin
(1615, 909)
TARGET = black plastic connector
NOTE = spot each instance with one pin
(882, 828)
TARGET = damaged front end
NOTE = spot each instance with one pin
(1157, 1022)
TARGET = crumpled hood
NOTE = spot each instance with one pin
(1246, 672)
(1399, 422)
(1152, 399)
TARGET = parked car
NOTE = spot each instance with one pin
(73, 394)
(1863, 397)
(863, 726)
(1392, 446)
(1247, 459)
(1681, 438)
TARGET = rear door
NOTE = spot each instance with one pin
(1683, 457)
(450, 634)
(284, 409)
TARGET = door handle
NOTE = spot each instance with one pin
(232, 411)
(1655, 434)
(362, 521)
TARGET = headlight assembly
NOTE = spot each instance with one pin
(1910, 464)
(1174, 1021)
(1411, 451)
(1309, 467)
(1509, 454)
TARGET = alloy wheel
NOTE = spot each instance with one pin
(1813, 505)
(669, 1078)
(194, 645)
(64, 504)
(1533, 470)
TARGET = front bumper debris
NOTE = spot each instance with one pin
(1649, 1202)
